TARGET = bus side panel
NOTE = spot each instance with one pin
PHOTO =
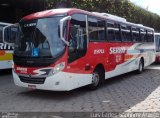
(6, 59)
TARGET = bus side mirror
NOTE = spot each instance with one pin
(62, 21)
(9, 34)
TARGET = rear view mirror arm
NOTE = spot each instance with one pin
(61, 29)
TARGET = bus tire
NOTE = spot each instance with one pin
(98, 78)
(140, 66)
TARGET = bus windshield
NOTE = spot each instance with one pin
(1, 29)
(157, 41)
(39, 38)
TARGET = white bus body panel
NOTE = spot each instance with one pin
(145, 51)
(6, 64)
(61, 81)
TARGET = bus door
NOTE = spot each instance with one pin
(77, 40)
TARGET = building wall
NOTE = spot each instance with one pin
(15, 10)
(7, 14)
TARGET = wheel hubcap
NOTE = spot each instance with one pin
(95, 79)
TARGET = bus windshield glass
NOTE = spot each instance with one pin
(1, 29)
(39, 38)
(157, 41)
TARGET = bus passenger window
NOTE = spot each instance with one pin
(135, 34)
(150, 36)
(93, 29)
(143, 35)
(126, 33)
(96, 29)
(117, 32)
(101, 30)
(110, 32)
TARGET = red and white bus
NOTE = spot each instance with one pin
(64, 49)
(157, 44)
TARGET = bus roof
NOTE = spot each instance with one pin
(68, 11)
(48, 13)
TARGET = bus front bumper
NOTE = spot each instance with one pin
(62, 81)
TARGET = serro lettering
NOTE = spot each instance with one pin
(117, 50)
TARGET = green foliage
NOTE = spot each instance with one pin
(123, 8)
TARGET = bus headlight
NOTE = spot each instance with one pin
(59, 67)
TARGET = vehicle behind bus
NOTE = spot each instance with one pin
(64, 49)
(157, 44)
(6, 51)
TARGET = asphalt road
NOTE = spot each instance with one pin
(126, 93)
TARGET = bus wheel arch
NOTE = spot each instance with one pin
(98, 77)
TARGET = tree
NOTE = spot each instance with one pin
(122, 8)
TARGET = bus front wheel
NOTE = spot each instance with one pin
(97, 78)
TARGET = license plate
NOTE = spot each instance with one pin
(32, 86)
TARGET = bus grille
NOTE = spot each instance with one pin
(32, 80)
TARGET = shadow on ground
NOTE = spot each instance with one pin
(5, 72)
(118, 94)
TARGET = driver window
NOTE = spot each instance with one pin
(77, 37)
(73, 38)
